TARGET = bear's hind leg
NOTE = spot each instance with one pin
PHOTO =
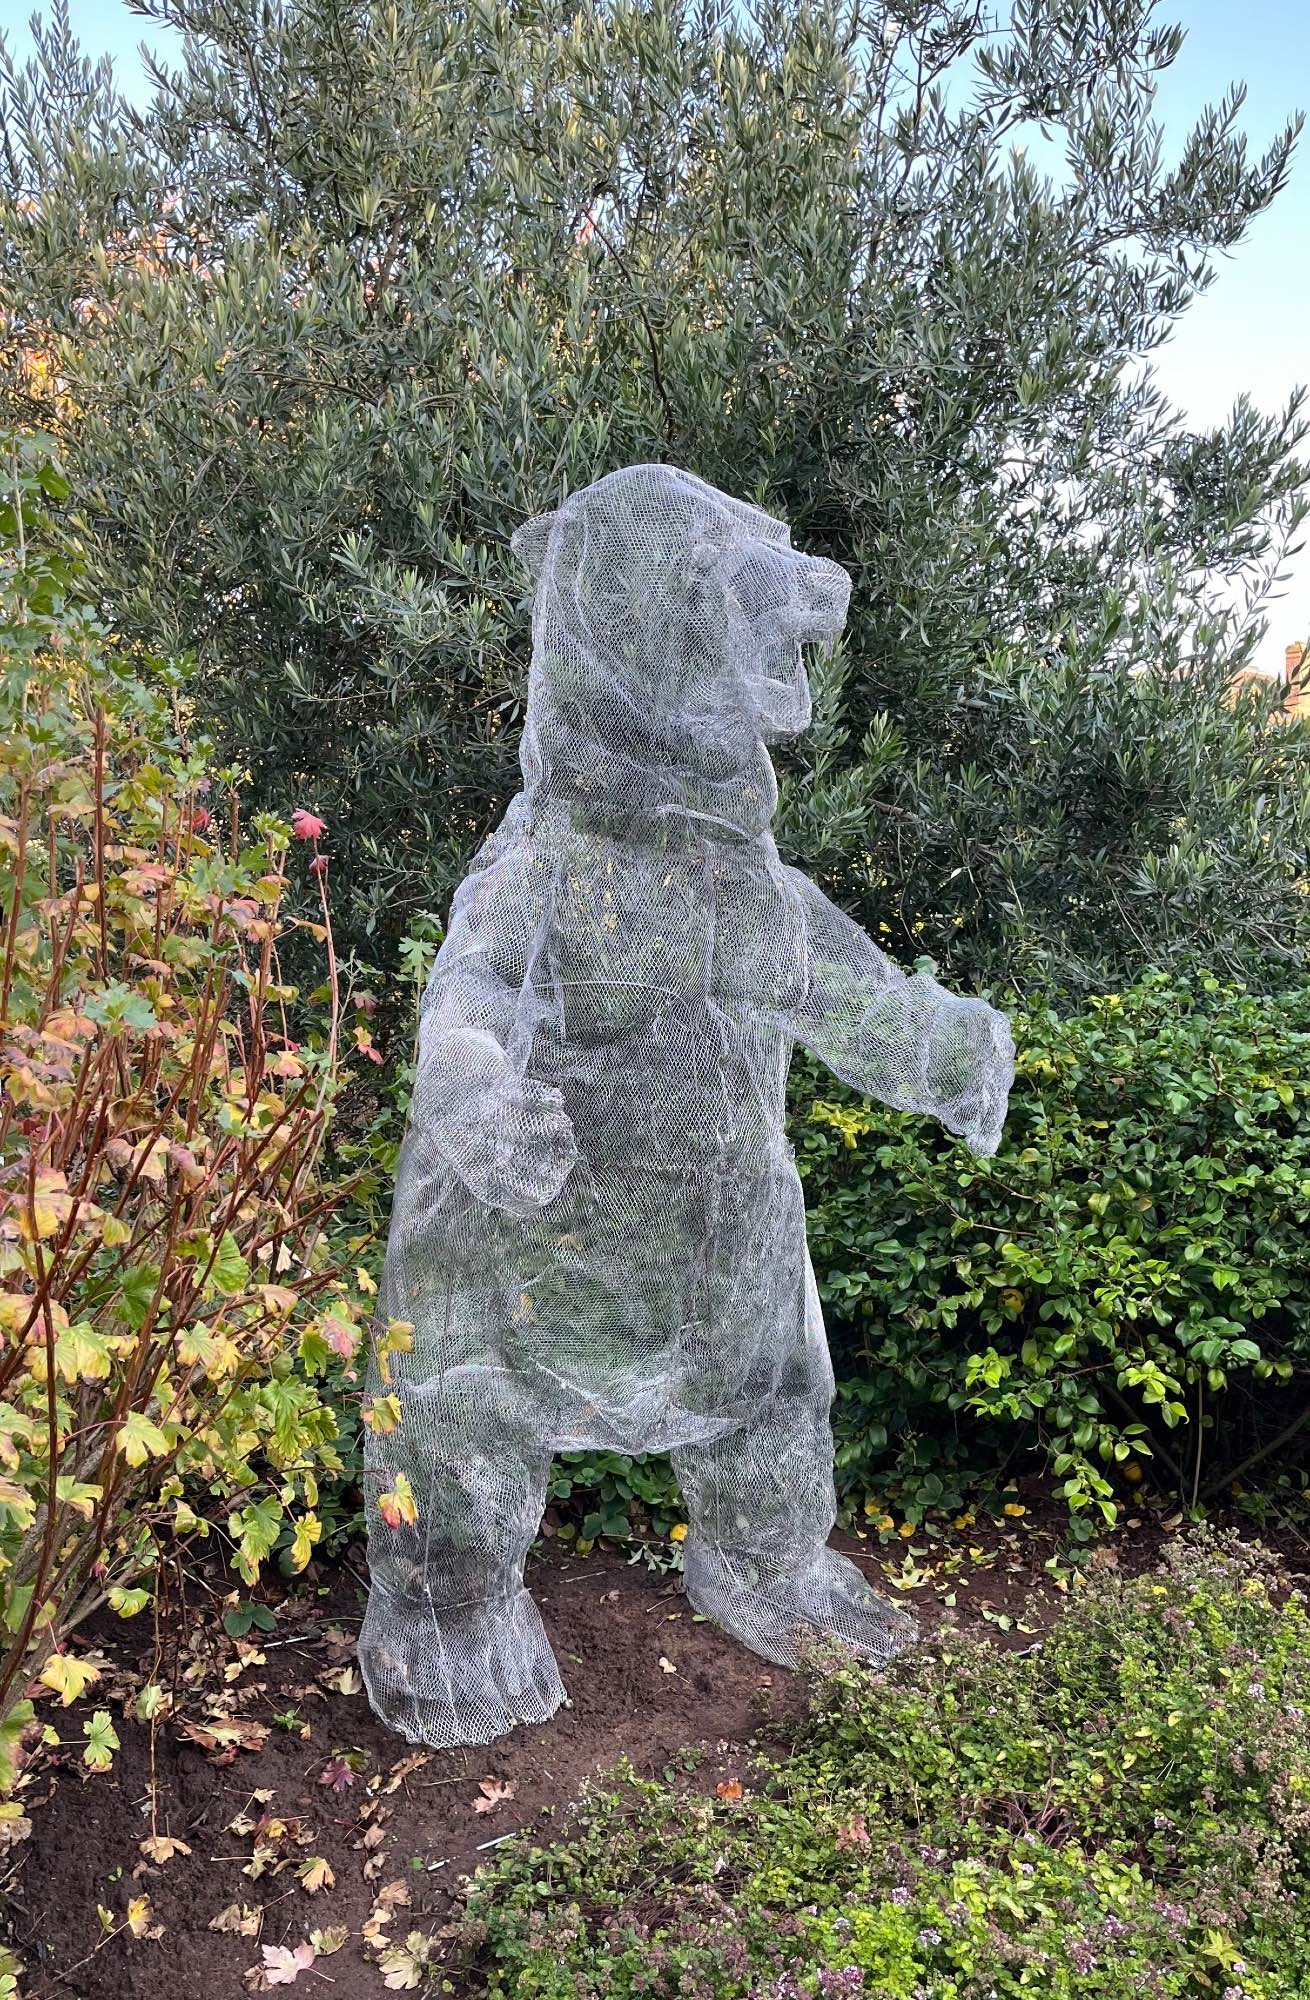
(453, 1649)
(761, 1505)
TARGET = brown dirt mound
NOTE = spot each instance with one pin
(646, 1681)
(649, 1682)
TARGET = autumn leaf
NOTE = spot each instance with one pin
(330, 1940)
(314, 1874)
(666, 1665)
(398, 1507)
(140, 1912)
(241, 1919)
(389, 1898)
(283, 1966)
(40, 1217)
(308, 1530)
(340, 1335)
(222, 1740)
(402, 1965)
(731, 1790)
(127, 1603)
(68, 1677)
(138, 1439)
(162, 1847)
(102, 1741)
(492, 1792)
(338, 1774)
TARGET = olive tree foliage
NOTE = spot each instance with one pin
(367, 284)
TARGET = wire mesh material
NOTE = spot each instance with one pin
(599, 1234)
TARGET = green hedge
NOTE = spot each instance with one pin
(1121, 1814)
(1127, 1279)
(1123, 1293)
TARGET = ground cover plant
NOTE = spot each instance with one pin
(169, 1302)
(1122, 1811)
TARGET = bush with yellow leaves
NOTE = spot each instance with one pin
(168, 1299)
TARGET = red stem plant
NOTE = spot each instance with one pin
(168, 1297)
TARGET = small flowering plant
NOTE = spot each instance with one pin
(1113, 1816)
(169, 1307)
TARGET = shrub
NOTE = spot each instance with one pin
(1125, 1280)
(1122, 1814)
(167, 1302)
(814, 252)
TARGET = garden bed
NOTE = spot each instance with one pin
(264, 1759)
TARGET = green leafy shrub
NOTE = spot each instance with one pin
(1125, 1280)
(168, 1304)
(1122, 1814)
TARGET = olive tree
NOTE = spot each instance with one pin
(364, 285)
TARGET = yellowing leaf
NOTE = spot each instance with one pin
(82, 1354)
(382, 1415)
(68, 1677)
(102, 1741)
(398, 1508)
(127, 1603)
(402, 1966)
(308, 1530)
(314, 1874)
(138, 1439)
(365, 1283)
(139, 1913)
(49, 1204)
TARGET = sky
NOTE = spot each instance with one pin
(1250, 333)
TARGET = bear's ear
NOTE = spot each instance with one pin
(530, 541)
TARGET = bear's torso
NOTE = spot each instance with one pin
(651, 987)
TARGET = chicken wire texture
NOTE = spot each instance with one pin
(599, 1233)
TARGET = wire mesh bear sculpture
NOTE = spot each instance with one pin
(599, 1234)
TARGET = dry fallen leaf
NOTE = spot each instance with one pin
(399, 1772)
(242, 1919)
(338, 1774)
(731, 1790)
(343, 1680)
(330, 1940)
(162, 1847)
(492, 1793)
(139, 1914)
(336, 1642)
(315, 1874)
(283, 1966)
(402, 1966)
(667, 1666)
(389, 1897)
(221, 1740)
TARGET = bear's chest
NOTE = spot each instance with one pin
(635, 938)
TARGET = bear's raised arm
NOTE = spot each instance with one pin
(900, 1037)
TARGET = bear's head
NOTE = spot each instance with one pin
(669, 622)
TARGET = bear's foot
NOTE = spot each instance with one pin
(779, 1613)
(445, 1675)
